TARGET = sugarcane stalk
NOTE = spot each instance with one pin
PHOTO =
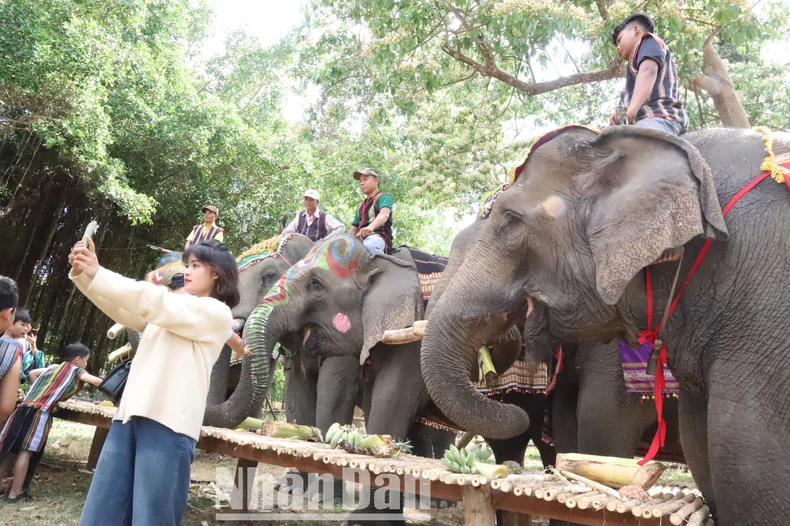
(251, 423)
(486, 364)
(286, 430)
(613, 472)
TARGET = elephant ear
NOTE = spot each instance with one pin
(392, 300)
(650, 191)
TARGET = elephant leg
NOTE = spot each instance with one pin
(337, 386)
(218, 387)
(429, 442)
(300, 407)
(510, 449)
(336, 390)
(748, 445)
(563, 401)
(300, 393)
(611, 429)
(396, 394)
(535, 405)
(693, 421)
(398, 391)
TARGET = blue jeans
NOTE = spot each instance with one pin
(142, 478)
(375, 244)
(660, 123)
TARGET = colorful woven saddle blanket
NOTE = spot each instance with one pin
(523, 377)
(429, 270)
(635, 370)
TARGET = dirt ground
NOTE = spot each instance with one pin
(62, 482)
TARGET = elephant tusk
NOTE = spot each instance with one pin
(115, 331)
(306, 334)
(238, 325)
(407, 335)
(119, 353)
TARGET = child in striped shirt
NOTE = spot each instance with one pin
(25, 433)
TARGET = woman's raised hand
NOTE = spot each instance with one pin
(83, 258)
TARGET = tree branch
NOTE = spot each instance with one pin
(570, 57)
(491, 70)
(603, 9)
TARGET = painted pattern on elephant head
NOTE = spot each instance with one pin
(334, 255)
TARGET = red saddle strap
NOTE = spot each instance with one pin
(650, 335)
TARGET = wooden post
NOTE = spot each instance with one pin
(99, 436)
(242, 484)
(478, 509)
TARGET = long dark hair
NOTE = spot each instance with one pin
(217, 256)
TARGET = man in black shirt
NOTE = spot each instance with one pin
(651, 93)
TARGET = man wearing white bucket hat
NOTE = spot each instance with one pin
(312, 222)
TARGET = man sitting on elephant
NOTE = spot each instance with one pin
(651, 83)
(312, 222)
(373, 222)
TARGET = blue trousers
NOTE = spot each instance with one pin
(375, 244)
(142, 478)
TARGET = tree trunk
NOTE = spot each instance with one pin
(717, 82)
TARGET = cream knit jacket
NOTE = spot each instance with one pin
(181, 338)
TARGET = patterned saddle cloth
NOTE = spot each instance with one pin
(429, 270)
(635, 370)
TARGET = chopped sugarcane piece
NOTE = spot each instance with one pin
(487, 369)
(251, 423)
(286, 430)
(614, 472)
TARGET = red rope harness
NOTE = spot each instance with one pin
(650, 335)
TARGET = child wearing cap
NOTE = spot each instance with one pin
(208, 230)
(312, 222)
(373, 221)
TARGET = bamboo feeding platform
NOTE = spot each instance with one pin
(542, 494)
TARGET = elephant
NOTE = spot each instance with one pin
(339, 300)
(335, 304)
(259, 268)
(587, 214)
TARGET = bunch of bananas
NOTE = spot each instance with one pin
(465, 460)
(346, 434)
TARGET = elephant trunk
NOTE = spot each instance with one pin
(449, 350)
(260, 334)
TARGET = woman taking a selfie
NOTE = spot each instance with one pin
(142, 477)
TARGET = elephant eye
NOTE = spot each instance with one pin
(315, 284)
(268, 276)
